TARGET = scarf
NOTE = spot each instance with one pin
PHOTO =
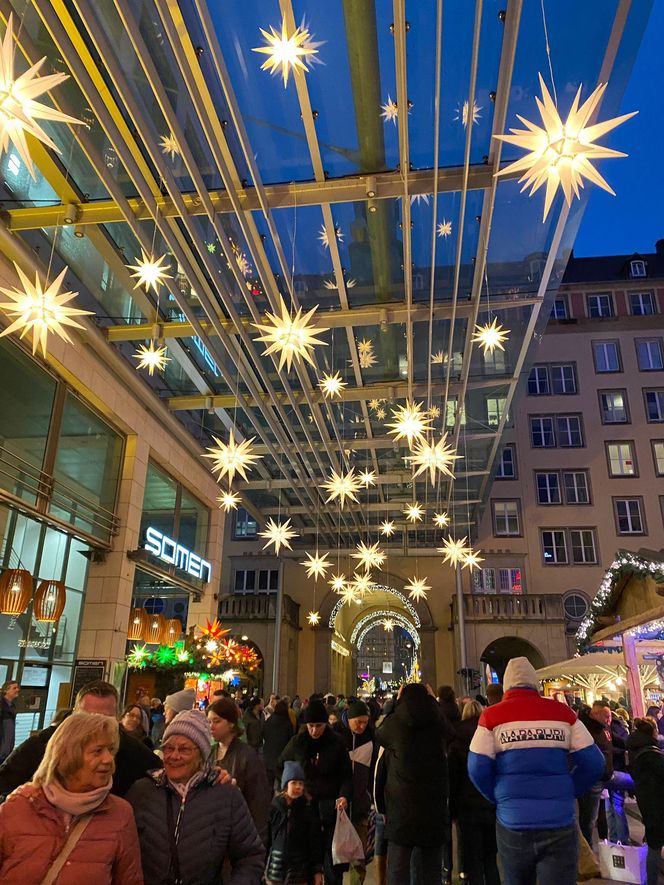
(75, 804)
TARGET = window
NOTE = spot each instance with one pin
(541, 433)
(548, 488)
(508, 580)
(245, 524)
(642, 303)
(538, 381)
(600, 306)
(568, 428)
(506, 518)
(554, 547)
(245, 581)
(451, 413)
(654, 405)
(575, 483)
(268, 580)
(507, 464)
(637, 269)
(169, 507)
(495, 406)
(613, 406)
(256, 580)
(658, 456)
(607, 356)
(629, 520)
(621, 459)
(575, 606)
(649, 352)
(563, 378)
(559, 309)
(582, 544)
(484, 580)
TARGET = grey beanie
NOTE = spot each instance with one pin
(180, 701)
(192, 724)
(293, 771)
(520, 673)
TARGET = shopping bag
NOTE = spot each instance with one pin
(346, 844)
(587, 866)
(623, 863)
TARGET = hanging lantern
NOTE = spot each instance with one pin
(49, 601)
(173, 631)
(138, 623)
(155, 632)
(15, 591)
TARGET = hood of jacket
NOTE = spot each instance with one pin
(465, 730)
(423, 712)
(638, 740)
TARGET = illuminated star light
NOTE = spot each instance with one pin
(369, 557)
(490, 336)
(152, 357)
(414, 512)
(420, 198)
(561, 154)
(444, 228)
(348, 595)
(463, 113)
(361, 584)
(472, 560)
(229, 501)
(374, 404)
(417, 588)
(381, 414)
(169, 146)
(232, 458)
(454, 550)
(342, 486)
(390, 111)
(313, 618)
(441, 520)
(410, 423)
(149, 271)
(368, 478)
(388, 625)
(325, 240)
(332, 385)
(19, 111)
(433, 412)
(291, 336)
(287, 51)
(367, 360)
(211, 247)
(387, 528)
(432, 457)
(243, 264)
(278, 533)
(316, 565)
(439, 358)
(40, 310)
(338, 583)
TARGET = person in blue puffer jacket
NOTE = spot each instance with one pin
(532, 757)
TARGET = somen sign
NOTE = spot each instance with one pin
(176, 554)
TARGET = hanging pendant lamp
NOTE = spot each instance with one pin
(15, 591)
(155, 633)
(49, 601)
(138, 623)
(173, 631)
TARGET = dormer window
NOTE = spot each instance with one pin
(637, 269)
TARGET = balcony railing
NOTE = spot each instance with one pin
(526, 607)
(258, 607)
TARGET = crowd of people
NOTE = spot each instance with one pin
(234, 790)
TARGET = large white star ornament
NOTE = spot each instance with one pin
(411, 422)
(313, 619)
(368, 478)
(561, 154)
(472, 560)
(287, 51)
(454, 550)
(316, 565)
(417, 588)
(292, 337)
(387, 528)
(433, 456)
(170, 146)
(332, 385)
(150, 271)
(390, 111)
(153, 357)
(342, 486)
(444, 228)
(490, 336)
(369, 557)
(229, 501)
(338, 583)
(278, 533)
(414, 512)
(232, 458)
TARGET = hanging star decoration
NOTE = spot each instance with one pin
(348, 595)
(19, 110)
(562, 154)
(361, 584)
(472, 560)
(374, 404)
(288, 51)
(332, 385)
(369, 557)
(40, 310)
(433, 412)
(213, 630)
(325, 240)
(338, 583)
(387, 528)
(417, 588)
(381, 414)
(152, 357)
(169, 146)
(388, 625)
(420, 198)
(453, 550)
(390, 111)
(441, 520)
(439, 358)
(368, 478)
(444, 228)
(414, 512)
(232, 458)
(464, 114)
(292, 337)
(316, 565)
(490, 336)
(138, 656)
(331, 285)
(278, 533)
(366, 354)
(150, 271)
(410, 422)
(313, 618)
(211, 247)
(433, 456)
(342, 486)
(229, 501)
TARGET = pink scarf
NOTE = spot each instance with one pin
(75, 804)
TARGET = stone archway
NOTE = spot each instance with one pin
(499, 652)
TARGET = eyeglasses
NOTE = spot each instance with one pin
(170, 749)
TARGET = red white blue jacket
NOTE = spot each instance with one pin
(532, 757)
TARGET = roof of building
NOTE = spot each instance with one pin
(601, 268)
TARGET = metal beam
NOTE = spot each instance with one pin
(395, 477)
(393, 506)
(379, 442)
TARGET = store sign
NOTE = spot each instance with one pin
(170, 551)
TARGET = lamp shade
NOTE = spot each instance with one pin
(49, 601)
(15, 591)
(173, 630)
(138, 624)
(155, 632)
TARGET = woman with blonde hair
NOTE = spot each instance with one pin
(65, 826)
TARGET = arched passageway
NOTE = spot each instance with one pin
(501, 650)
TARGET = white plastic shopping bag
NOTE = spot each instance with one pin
(346, 844)
(623, 863)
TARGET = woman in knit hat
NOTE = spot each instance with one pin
(295, 850)
(190, 823)
(240, 760)
(362, 747)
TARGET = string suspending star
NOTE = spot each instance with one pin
(292, 337)
(490, 336)
(316, 565)
(289, 51)
(231, 458)
(150, 272)
(280, 534)
(152, 357)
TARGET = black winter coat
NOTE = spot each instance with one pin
(646, 764)
(362, 750)
(295, 844)
(466, 803)
(215, 825)
(133, 761)
(276, 734)
(416, 785)
(619, 735)
(327, 769)
(253, 727)
(241, 762)
(599, 735)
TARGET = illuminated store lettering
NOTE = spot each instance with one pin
(170, 551)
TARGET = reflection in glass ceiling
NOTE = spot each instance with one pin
(394, 227)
